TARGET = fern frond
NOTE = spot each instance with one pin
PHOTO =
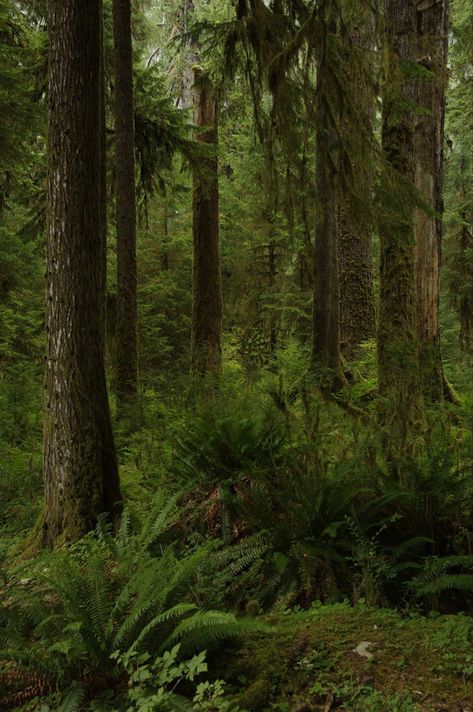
(73, 700)
(162, 516)
(238, 557)
(204, 629)
(406, 546)
(98, 598)
(177, 611)
(433, 579)
(458, 582)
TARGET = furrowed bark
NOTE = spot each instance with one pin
(401, 402)
(79, 465)
(206, 351)
(326, 355)
(432, 48)
(357, 311)
(125, 200)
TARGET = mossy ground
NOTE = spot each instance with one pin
(308, 663)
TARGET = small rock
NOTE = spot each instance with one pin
(362, 650)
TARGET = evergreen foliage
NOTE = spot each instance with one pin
(69, 620)
(328, 497)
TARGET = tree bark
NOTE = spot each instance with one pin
(189, 58)
(326, 355)
(357, 312)
(125, 199)
(206, 350)
(80, 466)
(432, 48)
(401, 403)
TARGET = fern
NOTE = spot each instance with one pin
(443, 574)
(72, 701)
(205, 628)
(103, 598)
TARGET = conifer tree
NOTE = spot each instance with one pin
(16, 122)
(326, 355)
(357, 308)
(401, 403)
(80, 466)
(125, 200)
(206, 278)
(459, 170)
(432, 46)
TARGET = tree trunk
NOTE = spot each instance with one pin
(189, 58)
(432, 47)
(273, 326)
(80, 467)
(206, 278)
(357, 312)
(401, 403)
(326, 355)
(463, 300)
(103, 180)
(126, 327)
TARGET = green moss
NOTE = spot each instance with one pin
(257, 695)
(311, 655)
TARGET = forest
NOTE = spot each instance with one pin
(236, 359)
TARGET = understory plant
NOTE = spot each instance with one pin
(71, 619)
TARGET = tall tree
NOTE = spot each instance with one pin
(206, 276)
(125, 199)
(459, 169)
(432, 48)
(399, 383)
(326, 354)
(189, 55)
(357, 310)
(17, 116)
(80, 466)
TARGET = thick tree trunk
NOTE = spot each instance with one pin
(401, 404)
(463, 301)
(357, 312)
(103, 179)
(80, 467)
(326, 355)
(432, 47)
(126, 327)
(206, 278)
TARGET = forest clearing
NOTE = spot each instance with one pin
(236, 383)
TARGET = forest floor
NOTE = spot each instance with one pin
(311, 661)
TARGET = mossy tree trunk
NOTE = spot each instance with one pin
(432, 48)
(206, 351)
(357, 311)
(462, 298)
(400, 393)
(189, 56)
(125, 202)
(326, 354)
(80, 466)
